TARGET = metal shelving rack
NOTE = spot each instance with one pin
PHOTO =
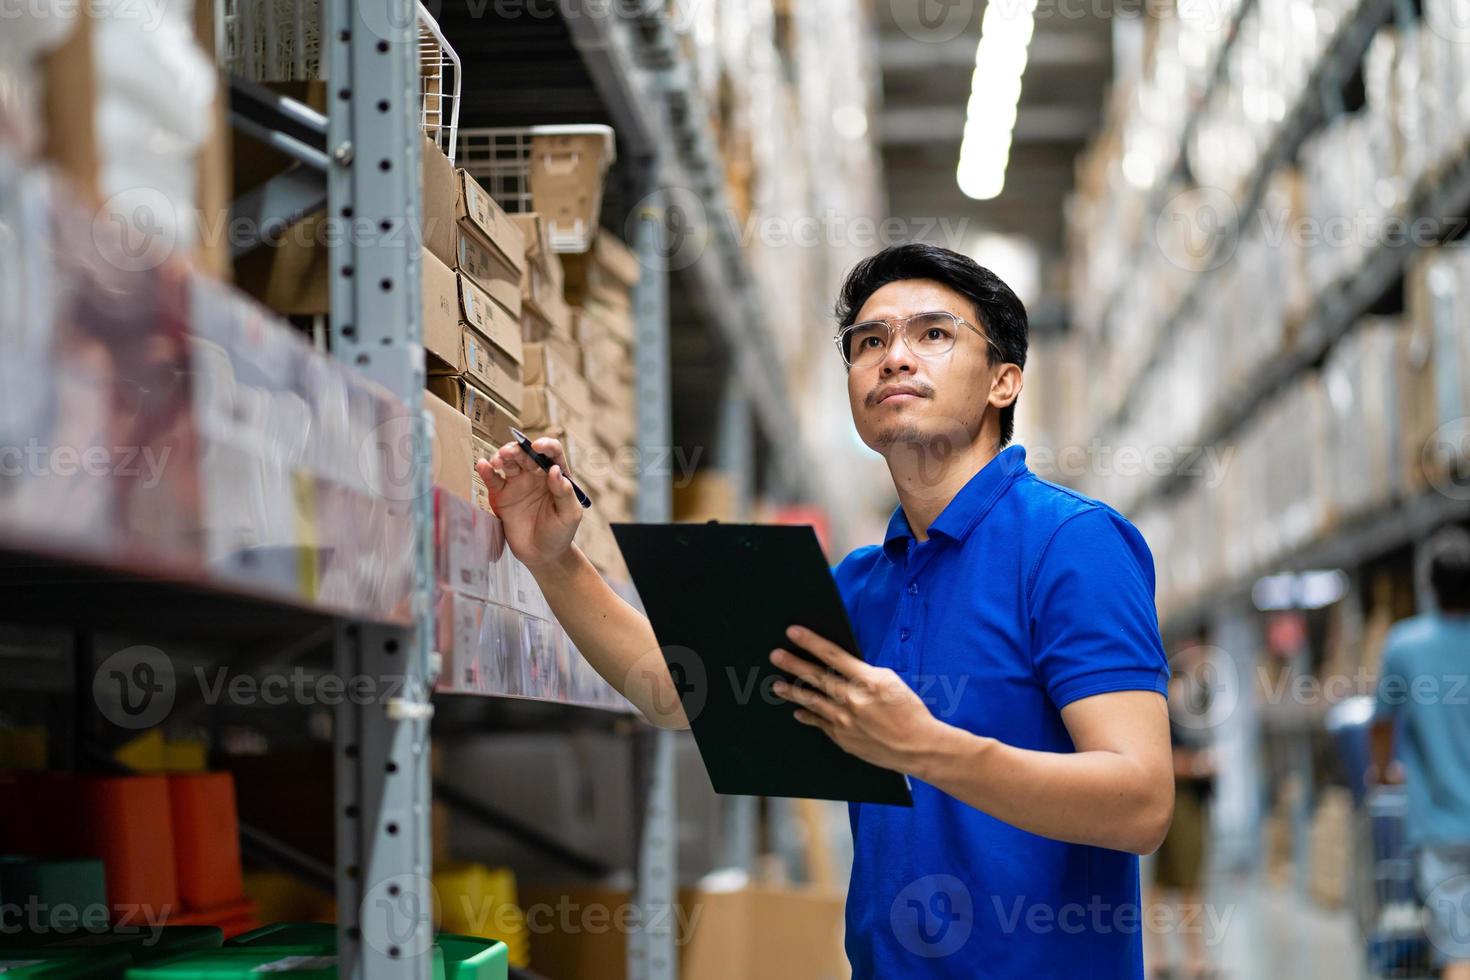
(366, 146)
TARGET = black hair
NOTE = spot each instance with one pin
(1447, 556)
(999, 311)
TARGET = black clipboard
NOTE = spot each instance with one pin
(720, 597)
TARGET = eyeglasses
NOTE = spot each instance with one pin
(930, 334)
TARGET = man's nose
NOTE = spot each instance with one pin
(898, 357)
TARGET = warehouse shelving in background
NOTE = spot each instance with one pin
(306, 537)
(1273, 328)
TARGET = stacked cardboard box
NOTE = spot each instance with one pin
(599, 286)
(576, 371)
(472, 313)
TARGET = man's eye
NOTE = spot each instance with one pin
(936, 333)
(869, 340)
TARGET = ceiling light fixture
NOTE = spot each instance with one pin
(995, 92)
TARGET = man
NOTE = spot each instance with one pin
(1422, 690)
(1050, 770)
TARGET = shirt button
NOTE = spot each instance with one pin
(903, 634)
(913, 588)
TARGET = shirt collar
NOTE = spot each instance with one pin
(967, 508)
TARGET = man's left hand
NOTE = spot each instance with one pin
(868, 711)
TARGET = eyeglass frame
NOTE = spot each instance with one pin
(891, 324)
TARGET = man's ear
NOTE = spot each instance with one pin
(1006, 386)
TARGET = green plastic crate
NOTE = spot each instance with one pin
(473, 958)
(465, 957)
(289, 934)
(53, 963)
(317, 962)
(142, 946)
(139, 945)
(55, 893)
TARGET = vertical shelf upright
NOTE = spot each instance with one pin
(384, 892)
(651, 952)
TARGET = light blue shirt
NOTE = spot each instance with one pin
(1425, 687)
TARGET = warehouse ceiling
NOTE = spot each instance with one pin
(927, 53)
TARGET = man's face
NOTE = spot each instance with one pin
(908, 398)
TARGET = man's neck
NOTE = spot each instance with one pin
(927, 477)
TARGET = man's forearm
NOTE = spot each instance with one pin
(616, 639)
(1101, 798)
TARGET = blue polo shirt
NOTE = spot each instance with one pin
(1025, 597)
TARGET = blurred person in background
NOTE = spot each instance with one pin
(1179, 863)
(1424, 713)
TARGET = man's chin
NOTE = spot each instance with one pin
(931, 437)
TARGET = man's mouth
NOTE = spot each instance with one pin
(899, 394)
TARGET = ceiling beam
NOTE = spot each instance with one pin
(913, 125)
(1048, 50)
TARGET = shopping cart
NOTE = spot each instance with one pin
(1385, 900)
(1390, 911)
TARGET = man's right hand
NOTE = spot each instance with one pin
(537, 507)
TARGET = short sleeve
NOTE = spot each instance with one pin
(1094, 628)
(1393, 681)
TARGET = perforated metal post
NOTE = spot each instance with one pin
(373, 141)
(651, 952)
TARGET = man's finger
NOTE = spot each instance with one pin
(553, 448)
(807, 718)
(816, 675)
(494, 482)
(562, 497)
(826, 651)
(814, 701)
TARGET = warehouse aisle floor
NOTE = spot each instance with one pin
(1256, 931)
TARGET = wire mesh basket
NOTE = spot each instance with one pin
(503, 161)
(281, 41)
(439, 80)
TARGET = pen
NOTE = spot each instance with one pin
(544, 461)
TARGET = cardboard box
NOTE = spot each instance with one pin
(566, 185)
(456, 344)
(440, 287)
(452, 462)
(614, 427)
(774, 932)
(605, 274)
(593, 320)
(550, 365)
(490, 249)
(583, 455)
(545, 278)
(709, 495)
(439, 197)
(545, 408)
(487, 416)
(491, 319)
(553, 322)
